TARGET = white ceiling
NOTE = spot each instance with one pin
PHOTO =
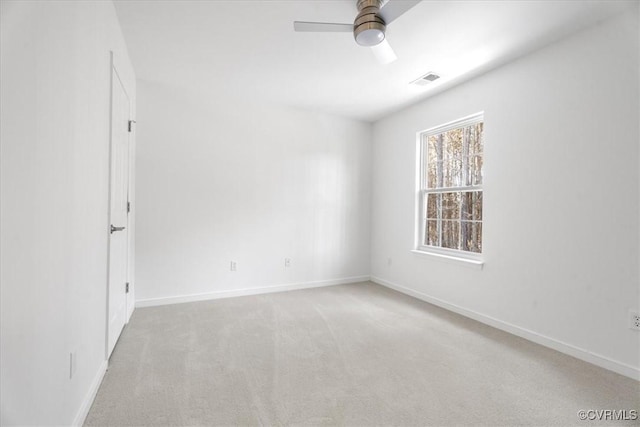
(248, 49)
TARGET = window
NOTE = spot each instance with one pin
(450, 193)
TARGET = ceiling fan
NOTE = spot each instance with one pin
(369, 26)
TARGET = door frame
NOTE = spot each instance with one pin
(129, 301)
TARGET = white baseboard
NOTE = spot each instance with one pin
(81, 416)
(151, 302)
(578, 353)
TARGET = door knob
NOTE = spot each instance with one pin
(116, 229)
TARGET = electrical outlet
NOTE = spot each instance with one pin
(72, 364)
(287, 262)
(634, 320)
(389, 261)
(232, 267)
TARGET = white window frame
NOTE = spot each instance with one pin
(423, 190)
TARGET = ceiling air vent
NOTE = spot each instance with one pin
(426, 79)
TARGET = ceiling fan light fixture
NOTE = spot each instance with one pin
(369, 33)
(369, 27)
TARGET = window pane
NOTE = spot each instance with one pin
(453, 143)
(450, 234)
(434, 160)
(476, 148)
(433, 203)
(451, 205)
(452, 160)
(477, 205)
(431, 233)
(452, 174)
(432, 171)
(472, 205)
(475, 169)
(471, 236)
(475, 139)
(465, 171)
(430, 161)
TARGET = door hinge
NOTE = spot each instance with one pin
(128, 207)
(126, 287)
(130, 124)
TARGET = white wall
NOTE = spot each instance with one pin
(230, 179)
(54, 186)
(561, 197)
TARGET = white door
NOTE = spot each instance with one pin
(118, 230)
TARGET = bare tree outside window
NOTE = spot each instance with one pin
(451, 186)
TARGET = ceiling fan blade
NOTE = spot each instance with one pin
(322, 27)
(384, 53)
(392, 9)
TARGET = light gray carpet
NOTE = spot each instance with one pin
(343, 355)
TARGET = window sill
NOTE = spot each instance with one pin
(471, 263)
